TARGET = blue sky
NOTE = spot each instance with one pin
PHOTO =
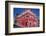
(18, 11)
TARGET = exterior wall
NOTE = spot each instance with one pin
(27, 20)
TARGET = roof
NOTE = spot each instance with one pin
(27, 11)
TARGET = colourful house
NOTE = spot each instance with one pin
(27, 19)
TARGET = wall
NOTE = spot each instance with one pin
(2, 18)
